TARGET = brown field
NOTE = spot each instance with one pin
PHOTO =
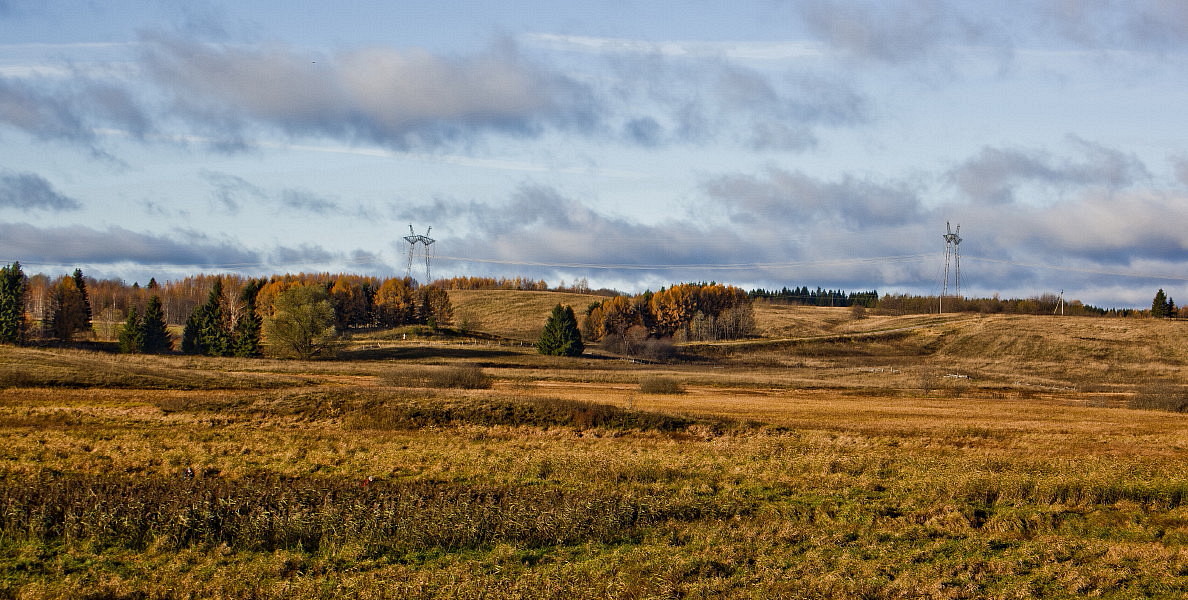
(926, 456)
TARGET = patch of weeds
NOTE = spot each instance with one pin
(528, 412)
(461, 377)
(660, 385)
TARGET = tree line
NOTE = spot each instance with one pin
(233, 315)
(819, 297)
(683, 312)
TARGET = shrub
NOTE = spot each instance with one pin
(660, 385)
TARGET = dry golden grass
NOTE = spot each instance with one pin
(964, 457)
(514, 314)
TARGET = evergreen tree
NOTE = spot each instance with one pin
(13, 285)
(131, 341)
(152, 333)
(1159, 305)
(190, 342)
(81, 284)
(561, 336)
(245, 337)
(206, 330)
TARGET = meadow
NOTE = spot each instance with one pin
(835, 456)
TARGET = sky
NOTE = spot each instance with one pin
(634, 145)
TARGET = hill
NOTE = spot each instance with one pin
(1085, 353)
(514, 314)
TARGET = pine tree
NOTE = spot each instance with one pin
(13, 285)
(130, 333)
(561, 336)
(152, 332)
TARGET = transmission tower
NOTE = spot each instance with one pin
(426, 250)
(953, 255)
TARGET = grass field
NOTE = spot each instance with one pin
(952, 456)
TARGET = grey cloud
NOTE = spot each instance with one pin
(892, 31)
(701, 100)
(70, 111)
(306, 201)
(398, 98)
(31, 191)
(302, 255)
(995, 174)
(1117, 229)
(1141, 24)
(539, 224)
(901, 31)
(796, 199)
(231, 190)
(644, 131)
(85, 245)
(1180, 166)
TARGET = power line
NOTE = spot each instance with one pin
(688, 266)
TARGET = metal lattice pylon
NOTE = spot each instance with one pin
(953, 255)
(426, 248)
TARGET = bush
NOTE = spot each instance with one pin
(660, 385)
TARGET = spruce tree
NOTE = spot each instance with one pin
(561, 336)
(206, 331)
(1159, 305)
(245, 337)
(190, 342)
(130, 333)
(81, 284)
(152, 332)
(12, 304)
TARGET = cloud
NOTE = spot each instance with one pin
(539, 224)
(794, 199)
(995, 174)
(304, 254)
(1096, 228)
(660, 99)
(893, 31)
(1156, 25)
(397, 98)
(70, 110)
(306, 201)
(1180, 166)
(77, 244)
(231, 190)
(30, 191)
